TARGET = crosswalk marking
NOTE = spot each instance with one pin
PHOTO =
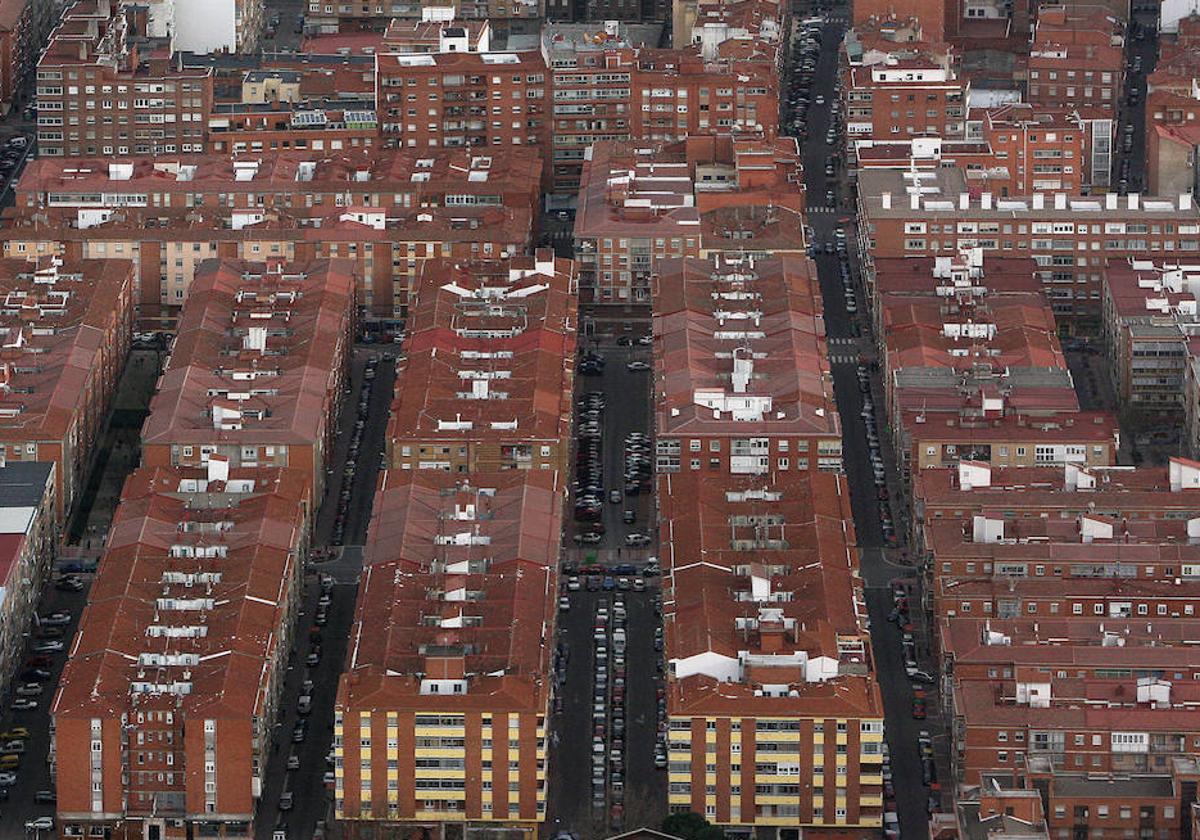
(839, 359)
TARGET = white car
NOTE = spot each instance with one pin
(40, 824)
(637, 365)
(8, 779)
(637, 539)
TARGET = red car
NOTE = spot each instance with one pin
(918, 710)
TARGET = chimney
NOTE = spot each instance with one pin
(914, 200)
(218, 468)
(886, 199)
(1185, 201)
(1135, 201)
(1060, 201)
(986, 201)
(1110, 201)
(256, 339)
(743, 367)
(1039, 201)
(964, 201)
(770, 636)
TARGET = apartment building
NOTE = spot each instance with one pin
(289, 205)
(167, 246)
(900, 96)
(967, 276)
(441, 712)
(607, 86)
(1116, 724)
(1076, 58)
(973, 368)
(1150, 804)
(643, 204)
(257, 369)
(29, 537)
(592, 68)
(67, 328)
(774, 716)
(1038, 148)
(1085, 438)
(1150, 314)
(1172, 135)
(1054, 229)
(486, 380)
(475, 99)
(385, 179)
(741, 369)
(101, 90)
(995, 809)
(167, 705)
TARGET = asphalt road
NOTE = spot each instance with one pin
(571, 804)
(1135, 114)
(627, 397)
(878, 566)
(311, 797)
(286, 37)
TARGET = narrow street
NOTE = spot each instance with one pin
(878, 564)
(622, 789)
(312, 796)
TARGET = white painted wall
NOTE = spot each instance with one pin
(205, 26)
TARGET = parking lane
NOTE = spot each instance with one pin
(311, 792)
(847, 329)
(632, 789)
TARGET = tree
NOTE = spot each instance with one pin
(691, 826)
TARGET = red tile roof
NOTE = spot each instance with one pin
(55, 322)
(195, 573)
(762, 593)
(490, 352)
(761, 316)
(460, 569)
(256, 356)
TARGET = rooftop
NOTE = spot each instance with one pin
(1145, 293)
(740, 347)
(23, 484)
(490, 352)
(55, 321)
(763, 606)
(1065, 641)
(945, 193)
(190, 594)
(1113, 491)
(254, 358)
(458, 594)
(1049, 703)
(65, 181)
